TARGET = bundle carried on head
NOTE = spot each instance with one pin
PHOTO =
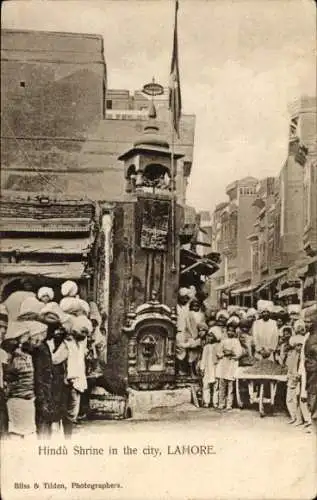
(75, 305)
(52, 313)
(30, 309)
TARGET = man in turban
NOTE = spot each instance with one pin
(265, 332)
(69, 289)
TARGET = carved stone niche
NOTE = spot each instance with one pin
(151, 330)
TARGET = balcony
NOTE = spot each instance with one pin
(229, 247)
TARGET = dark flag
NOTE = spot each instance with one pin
(175, 99)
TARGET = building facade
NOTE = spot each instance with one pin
(50, 99)
(61, 129)
(280, 217)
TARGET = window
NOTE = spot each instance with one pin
(22, 84)
(109, 103)
(293, 128)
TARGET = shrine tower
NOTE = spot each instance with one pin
(146, 261)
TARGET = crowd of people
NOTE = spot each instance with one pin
(212, 344)
(46, 349)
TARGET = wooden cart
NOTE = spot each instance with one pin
(257, 377)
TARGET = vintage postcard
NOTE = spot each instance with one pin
(158, 256)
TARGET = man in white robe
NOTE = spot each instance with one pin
(265, 334)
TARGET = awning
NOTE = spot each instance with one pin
(45, 245)
(271, 280)
(301, 268)
(287, 292)
(28, 225)
(191, 261)
(62, 270)
(204, 267)
(245, 289)
(226, 286)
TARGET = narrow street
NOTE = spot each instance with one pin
(259, 457)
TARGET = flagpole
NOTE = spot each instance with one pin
(174, 194)
(175, 116)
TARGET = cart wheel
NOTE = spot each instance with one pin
(261, 403)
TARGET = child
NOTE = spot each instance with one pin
(45, 294)
(283, 346)
(245, 338)
(298, 411)
(208, 365)
(4, 357)
(195, 318)
(228, 354)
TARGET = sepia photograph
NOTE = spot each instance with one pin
(158, 252)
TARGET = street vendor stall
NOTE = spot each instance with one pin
(261, 378)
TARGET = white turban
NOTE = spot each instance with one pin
(44, 290)
(216, 331)
(184, 292)
(232, 310)
(233, 321)
(74, 305)
(294, 309)
(222, 313)
(265, 305)
(251, 312)
(81, 324)
(69, 289)
(192, 291)
(299, 325)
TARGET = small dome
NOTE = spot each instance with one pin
(151, 136)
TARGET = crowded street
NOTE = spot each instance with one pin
(158, 257)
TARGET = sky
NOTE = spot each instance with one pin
(241, 64)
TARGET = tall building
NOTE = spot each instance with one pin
(236, 219)
(285, 227)
(232, 221)
(62, 130)
(263, 250)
